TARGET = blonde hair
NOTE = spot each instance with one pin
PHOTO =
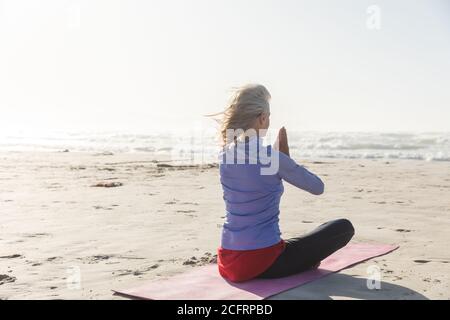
(245, 106)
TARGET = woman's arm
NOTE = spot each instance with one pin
(293, 173)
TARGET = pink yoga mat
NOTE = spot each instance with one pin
(205, 283)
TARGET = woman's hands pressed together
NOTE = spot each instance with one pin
(281, 143)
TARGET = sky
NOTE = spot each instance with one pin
(163, 64)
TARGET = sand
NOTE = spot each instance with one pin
(77, 225)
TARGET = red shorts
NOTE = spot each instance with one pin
(239, 266)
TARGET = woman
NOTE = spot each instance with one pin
(251, 245)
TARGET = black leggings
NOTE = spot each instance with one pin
(305, 252)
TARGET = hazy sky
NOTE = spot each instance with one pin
(141, 65)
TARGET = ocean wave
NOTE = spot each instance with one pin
(350, 145)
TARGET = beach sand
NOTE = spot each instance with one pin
(160, 219)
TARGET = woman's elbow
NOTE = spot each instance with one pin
(320, 189)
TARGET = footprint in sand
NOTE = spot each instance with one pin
(403, 230)
(107, 257)
(101, 208)
(106, 169)
(173, 201)
(96, 258)
(4, 278)
(36, 235)
(190, 262)
(431, 280)
(422, 261)
(107, 185)
(101, 257)
(13, 256)
(207, 258)
(78, 168)
(55, 186)
(52, 259)
(106, 153)
(127, 272)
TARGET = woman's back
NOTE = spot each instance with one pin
(251, 198)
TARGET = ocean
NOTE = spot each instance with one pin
(202, 146)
